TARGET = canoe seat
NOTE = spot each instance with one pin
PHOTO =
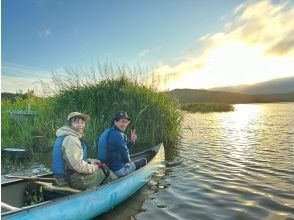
(51, 187)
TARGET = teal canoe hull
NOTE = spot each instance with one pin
(91, 203)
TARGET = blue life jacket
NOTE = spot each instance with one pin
(101, 145)
(112, 154)
(57, 156)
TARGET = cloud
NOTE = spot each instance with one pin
(284, 46)
(263, 23)
(255, 45)
(13, 84)
(145, 52)
(18, 70)
(44, 33)
(16, 76)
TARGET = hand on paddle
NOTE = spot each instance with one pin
(133, 135)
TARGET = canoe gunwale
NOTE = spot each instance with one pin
(84, 192)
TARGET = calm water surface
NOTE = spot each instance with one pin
(235, 165)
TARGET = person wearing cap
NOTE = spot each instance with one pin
(70, 156)
(118, 146)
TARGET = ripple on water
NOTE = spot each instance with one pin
(237, 165)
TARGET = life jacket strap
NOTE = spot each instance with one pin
(105, 170)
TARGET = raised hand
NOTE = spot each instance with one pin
(133, 135)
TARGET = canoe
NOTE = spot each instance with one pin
(85, 204)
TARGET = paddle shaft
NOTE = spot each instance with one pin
(31, 178)
(8, 207)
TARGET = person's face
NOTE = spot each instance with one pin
(78, 125)
(122, 124)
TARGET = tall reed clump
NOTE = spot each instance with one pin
(100, 92)
(155, 117)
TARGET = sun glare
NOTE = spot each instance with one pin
(234, 63)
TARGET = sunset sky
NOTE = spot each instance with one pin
(193, 44)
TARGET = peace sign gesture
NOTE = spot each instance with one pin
(133, 135)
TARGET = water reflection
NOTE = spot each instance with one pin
(235, 165)
(238, 130)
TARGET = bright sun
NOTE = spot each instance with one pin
(254, 45)
(235, 63)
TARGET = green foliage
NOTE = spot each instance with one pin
(100, 93)
(155, 117)
(18, 131)
(207, 107)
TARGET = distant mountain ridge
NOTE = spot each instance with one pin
(277, 90)
(280, 85)
(185, 96)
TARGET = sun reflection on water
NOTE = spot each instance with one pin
(239, 130)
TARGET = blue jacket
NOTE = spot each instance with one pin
(118, 149)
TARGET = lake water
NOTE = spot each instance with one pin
(234, 165)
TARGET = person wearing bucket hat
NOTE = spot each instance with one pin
(70, 163)
(79, 115)
(113, 146)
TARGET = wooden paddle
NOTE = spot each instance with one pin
(50, 187)
(45, 182)
(31, 178)
(8, 207)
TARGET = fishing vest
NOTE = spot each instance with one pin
(58, 167)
